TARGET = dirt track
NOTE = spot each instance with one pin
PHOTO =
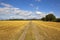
(33, 32)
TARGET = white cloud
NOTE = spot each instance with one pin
(42, 14)
(31, 17)
(18, 13)
(6, 5)
(38, 12)
(12, 12)
(21, 12)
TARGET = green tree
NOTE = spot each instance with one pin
(50, 17)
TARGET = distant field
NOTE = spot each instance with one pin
(29, 30)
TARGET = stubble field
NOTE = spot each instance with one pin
(29, 30)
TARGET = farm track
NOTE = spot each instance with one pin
(39, 33)
(22, 37)
(36, 33)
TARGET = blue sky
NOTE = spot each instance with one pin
(28, 8)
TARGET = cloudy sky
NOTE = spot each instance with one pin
(27, 9)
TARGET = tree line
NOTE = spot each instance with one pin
(50, 17)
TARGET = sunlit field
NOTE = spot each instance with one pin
(10, 30)
(49, 30)
(29, 30)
